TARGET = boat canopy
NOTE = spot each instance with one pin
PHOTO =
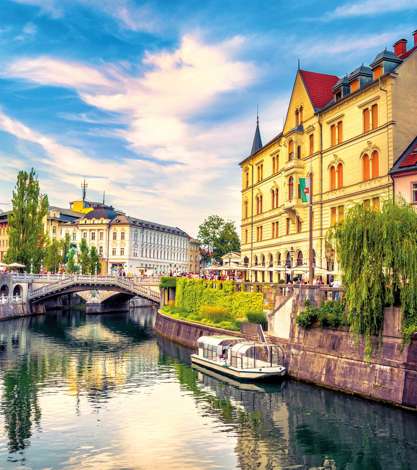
(249, 354)
(218, 340)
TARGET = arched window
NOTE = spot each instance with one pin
(276, 197)
(279, 259)
(256, 261)
(245, 209)
(365, 167)
(291, 150)
(290, 188)
(271, 261)
(288, 260)
(340, 175)
(375, 164)
(273, 198)
(332, 178)
(299, 258)
(366, 120)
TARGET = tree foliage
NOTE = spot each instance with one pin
(94, 261)
(84, 257)
(26, 232)
(218, 237)
(377, 252)
(53, 256)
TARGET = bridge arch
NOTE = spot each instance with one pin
(4, 290)
(17, 290)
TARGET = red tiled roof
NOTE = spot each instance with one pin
(319, 87)
(410, 159)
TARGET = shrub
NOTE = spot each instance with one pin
(259, 318)
(167, 282)
(329, 315)
(215, 314)
(307, 317)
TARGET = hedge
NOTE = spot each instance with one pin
(192, 294)
(167, 282)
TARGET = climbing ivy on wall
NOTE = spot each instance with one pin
(377, 252)
(192, 294)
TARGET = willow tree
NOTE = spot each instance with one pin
(26, 222)
(377, 252)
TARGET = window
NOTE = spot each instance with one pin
(414, 193)
(274, 165)
(374, 112)
(299, 225)
(122, 251)
(290, 188)
(367, 203)
(274, 198)
(298, 152)
(260, 172)
(297, 118)
(114, 235)
(259, 233)
(375, 203)
(275, 229)
(311, 143)
(84, 233)
(333, 216)
(288, 226)
(246, 179)
(74, 236)
(101, 235)
(246, 236)
(365, 167)
(340, 175)
(100, 250)
(378, 72)
(332, 175)
(113, 251)
(339, 132)
(301, 114)
(375, 164)
(245, 209)
(93, 235)
(333, 135)
(354, 86)
(122, 235)
(290, 150)
(366, 120)
(340, 213)
(259, 204)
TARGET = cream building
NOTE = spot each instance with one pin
(346, 133)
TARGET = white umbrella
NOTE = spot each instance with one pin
(16, 265)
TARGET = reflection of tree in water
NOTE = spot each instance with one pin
(93, 358)
(20, 402)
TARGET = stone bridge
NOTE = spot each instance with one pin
(131, 287)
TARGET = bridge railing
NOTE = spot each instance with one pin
(25, 277)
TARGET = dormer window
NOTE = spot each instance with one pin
(338, 95)
(354, 86)
(377, 72)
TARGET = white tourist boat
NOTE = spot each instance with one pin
(238, 358)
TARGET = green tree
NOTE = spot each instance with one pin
(72, 266)
(53, 257)
(218, 237)
(377, 252)
(26, 232)
(94, 261)
(66, 246)
(84, 257)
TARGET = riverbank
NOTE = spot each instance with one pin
(331, 358)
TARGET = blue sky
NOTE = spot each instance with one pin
(155, 102)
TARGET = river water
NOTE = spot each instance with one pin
(104, 392)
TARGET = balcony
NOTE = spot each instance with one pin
(293, 166)
(293, 205)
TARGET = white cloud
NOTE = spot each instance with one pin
(371, 7)
(160, 106)
(49, 7)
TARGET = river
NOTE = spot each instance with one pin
(104, 392)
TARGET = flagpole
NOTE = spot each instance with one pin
(310, 232)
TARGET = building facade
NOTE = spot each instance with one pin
(342, 134)
(194, 256)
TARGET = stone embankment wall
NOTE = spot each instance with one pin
(16, 310)
(332, 358)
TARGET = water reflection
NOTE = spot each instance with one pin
(102, 392)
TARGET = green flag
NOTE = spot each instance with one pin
(305, 189)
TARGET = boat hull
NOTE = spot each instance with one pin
(240, 374)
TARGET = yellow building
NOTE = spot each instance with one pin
(193, 256)
(347, 133)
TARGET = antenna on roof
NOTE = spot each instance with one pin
(84, 187)
(298, 64)
(104, 197)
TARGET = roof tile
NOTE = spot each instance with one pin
(319, 87)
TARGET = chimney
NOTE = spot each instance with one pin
(415, 38)
(400, 47)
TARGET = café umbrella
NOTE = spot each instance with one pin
(16, 265)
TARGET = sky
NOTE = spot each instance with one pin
(154, 102)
